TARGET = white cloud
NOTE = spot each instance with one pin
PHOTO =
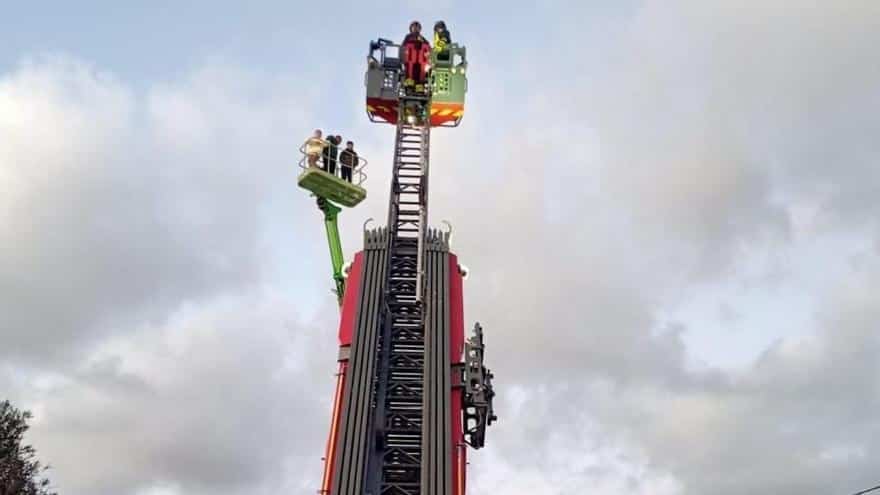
(132, 253)
(115, 213)
(218, 398)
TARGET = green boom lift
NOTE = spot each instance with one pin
(331, 211)
(327, 187)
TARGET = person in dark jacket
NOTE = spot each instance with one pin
(348, 160)
(330, 154)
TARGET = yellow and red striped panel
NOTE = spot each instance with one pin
(441, 113)
(383, 109)
(445, 112)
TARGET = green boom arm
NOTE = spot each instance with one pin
(331, 211)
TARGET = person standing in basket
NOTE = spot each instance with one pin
(348, 159)
(314, 147)
(331, 153)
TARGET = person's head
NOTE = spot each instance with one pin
(439, 26)
(415, 27)
(317, 133)
(338, 139)
(349, 145)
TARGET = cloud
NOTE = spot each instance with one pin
(137, 322)
(686, 156)
(121, 206)
(216, 400)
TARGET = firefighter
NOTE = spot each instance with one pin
(415, 33)
(442, 39)
(416, 58)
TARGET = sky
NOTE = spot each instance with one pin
(669, 211)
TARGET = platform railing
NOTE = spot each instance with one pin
(358, 176)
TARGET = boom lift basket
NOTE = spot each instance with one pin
(326, 185)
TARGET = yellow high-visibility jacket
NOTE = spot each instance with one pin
(439, 41)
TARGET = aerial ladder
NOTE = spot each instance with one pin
(411, 392)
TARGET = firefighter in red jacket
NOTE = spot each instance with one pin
(416, 56)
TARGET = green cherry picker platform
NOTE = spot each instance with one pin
(330, 189)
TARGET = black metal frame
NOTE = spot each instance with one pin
(395, 464)
(478, 392)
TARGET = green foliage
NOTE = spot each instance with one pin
(20, 472)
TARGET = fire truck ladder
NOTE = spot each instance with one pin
(396, 464)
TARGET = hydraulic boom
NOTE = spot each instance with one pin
(331, 211)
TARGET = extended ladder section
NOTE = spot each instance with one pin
(406, 405)
(381, 440)
(405, 394)
(396, 467)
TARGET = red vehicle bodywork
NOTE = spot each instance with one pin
(456, 346)
(346, 331)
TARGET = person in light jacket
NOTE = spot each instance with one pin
(314, 146)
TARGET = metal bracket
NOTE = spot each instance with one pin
(478, 392)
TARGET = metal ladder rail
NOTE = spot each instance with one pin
(399, 390)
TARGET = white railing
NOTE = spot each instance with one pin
(357, 174)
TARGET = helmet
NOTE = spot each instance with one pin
(439, 25)
(415, 24)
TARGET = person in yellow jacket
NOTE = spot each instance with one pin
(442, 38)
(313, 147)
